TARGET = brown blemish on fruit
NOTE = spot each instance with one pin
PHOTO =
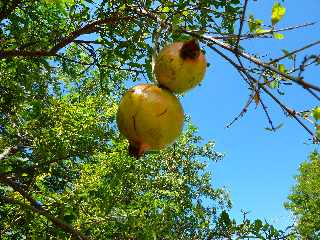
(163, 87)
(134, 123)
(162, 112)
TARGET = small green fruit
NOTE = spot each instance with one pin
(149, 117)
(316, 113)
(180, 66)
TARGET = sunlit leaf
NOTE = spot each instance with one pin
(278, 36)
(254, 24)
(262, 31)
(278, 12)
(281, 68)
(316, 113)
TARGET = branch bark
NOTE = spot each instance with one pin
(8, 152)
(241, 21)
(37, 208)
(87, 29)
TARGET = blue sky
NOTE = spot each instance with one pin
(259, 165)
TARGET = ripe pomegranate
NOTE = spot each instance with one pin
(180, 66)
(149, 117)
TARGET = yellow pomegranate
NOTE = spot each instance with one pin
(180, 66)
(149, 117)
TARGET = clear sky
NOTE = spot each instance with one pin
(259, 165)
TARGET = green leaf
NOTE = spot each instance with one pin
(262, 31)
(278, 36)
(257, 224)
(254, 24)
(278, 12)
(225, 218)
(281, 68)
(165, 9)
(316, 113)
(274, 84)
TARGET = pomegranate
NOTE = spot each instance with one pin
(180, 66)
(149, 117)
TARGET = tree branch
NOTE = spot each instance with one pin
(111, 66)
(89, 28)
(243, 111)
(36, 207)
(265, 109)
(241, 22)
(271, 31)
(8, 152)
(263, 34)
(294, 52)
(252, 79)
(228, 47)
(256, 61)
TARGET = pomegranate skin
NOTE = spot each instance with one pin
(180, 66)
(150, 118)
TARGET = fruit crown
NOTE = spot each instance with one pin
(190, 49)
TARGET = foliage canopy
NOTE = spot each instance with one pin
(64, 170)
(304, 200)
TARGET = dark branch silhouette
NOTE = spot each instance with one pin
(87, 29)
(36, 207)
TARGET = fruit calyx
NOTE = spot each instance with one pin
(137, 149)
(190, 49)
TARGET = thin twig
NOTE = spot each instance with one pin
(271, 31)
(306, 65)
(88, 41)
(243, 111)
(36, 207)
(137, 71)
(263, 34)
(258, 62)
(265, 109)
(241, 22)
(313, 94)
(294, 52)
(250, 78)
